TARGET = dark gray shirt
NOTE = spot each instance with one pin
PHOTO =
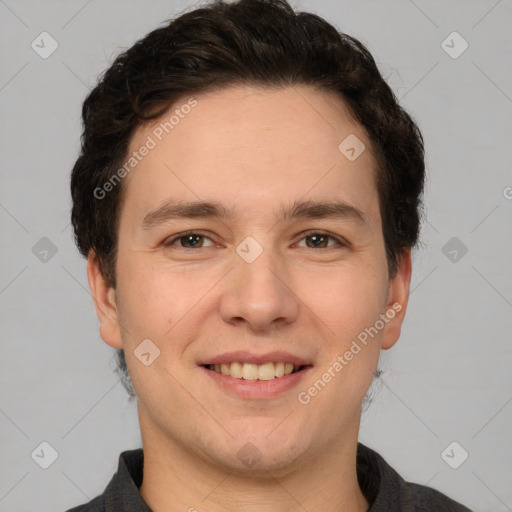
(383, 487)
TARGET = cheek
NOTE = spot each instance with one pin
(345, 300)
(162, 302)
(151, 302)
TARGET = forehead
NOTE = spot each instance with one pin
(245, 145)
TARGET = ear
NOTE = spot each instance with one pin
(398, 298)
(104, 302)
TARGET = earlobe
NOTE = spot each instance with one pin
(398, 298)
(104, 298)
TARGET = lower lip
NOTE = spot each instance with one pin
(257, 389)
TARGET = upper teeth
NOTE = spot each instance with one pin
(250, 371)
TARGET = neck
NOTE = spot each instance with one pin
(177, 479)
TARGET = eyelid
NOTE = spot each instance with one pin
(169, 242)
(340, 240)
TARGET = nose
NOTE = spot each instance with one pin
(259, 294)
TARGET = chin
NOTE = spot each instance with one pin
(264, 463)
(258, 452)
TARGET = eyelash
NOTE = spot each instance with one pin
(340, 241)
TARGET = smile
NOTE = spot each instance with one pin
(251, 371)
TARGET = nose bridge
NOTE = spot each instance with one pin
(258, 290)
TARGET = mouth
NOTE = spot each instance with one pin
(250, 371)
(250, 376)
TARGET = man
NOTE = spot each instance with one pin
(247, 196)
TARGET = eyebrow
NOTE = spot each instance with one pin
(213, 209)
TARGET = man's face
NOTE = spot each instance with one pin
(303, 288)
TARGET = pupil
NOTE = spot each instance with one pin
(189, 238)
(317, 238)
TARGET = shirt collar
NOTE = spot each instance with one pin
(122, 493)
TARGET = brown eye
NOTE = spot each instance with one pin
(188, 240)
(195, 240)
(321, 240)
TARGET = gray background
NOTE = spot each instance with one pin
(448, 378)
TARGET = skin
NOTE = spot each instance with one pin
(251, 149)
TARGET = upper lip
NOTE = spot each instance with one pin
(241, 356)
